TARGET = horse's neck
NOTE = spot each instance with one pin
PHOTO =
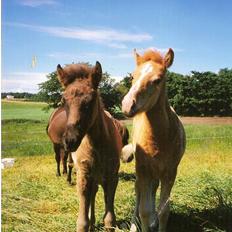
(158, 117)
(98, 129)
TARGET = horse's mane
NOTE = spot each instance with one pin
(153, 55)
(78, 70)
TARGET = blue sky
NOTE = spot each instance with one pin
(61, 32)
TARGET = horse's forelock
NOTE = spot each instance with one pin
(153, 55)
(77, 71)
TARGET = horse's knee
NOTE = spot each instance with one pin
(82, 225)
(145, 216)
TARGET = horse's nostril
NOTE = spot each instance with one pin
(133, 105)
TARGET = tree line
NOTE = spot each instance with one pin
(201, 93)
(196, 94)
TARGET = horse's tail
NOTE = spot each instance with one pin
(127, 153)
(125, 135)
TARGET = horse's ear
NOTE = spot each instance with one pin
(61, 75)
(97, 74)
(169, 57)
(138, 58)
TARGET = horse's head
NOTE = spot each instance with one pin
(80, 83)
(148, 81)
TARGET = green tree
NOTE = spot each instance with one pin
(201, 93)
(50, 91)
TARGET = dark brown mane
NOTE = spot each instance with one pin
(153, 55)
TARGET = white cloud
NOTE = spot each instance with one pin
(117, 78)
(22, 81)
(110, 37)
(89, 55)
(36, 3)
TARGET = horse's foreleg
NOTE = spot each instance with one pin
(84, 184)
(146, 203)
(92, 206)
(135, 220)
(109, 187)
(154, 225)
(164, 208)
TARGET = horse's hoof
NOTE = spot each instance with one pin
(154, 227)
(133, 228)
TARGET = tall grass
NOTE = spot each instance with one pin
(34, 199)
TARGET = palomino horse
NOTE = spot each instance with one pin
(55, 130)
(94, 139)
(158, 139)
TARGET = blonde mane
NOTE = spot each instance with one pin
(153, 55)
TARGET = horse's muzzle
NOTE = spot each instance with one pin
(71, 140)
(129, 106)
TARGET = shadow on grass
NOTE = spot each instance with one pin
(217, 219)
(123, 176)
(9, 121)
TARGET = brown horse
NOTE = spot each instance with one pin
(94, 139)
(158, 139)
(55, 130)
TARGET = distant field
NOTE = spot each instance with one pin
(34, 199)
(23, 110)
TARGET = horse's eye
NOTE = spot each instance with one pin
(156, 81)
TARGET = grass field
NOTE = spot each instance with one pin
(34, 199)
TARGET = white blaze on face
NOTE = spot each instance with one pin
(146, 69)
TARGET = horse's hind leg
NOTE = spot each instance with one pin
(57, 157)
(109, 187)
(64, 157)
(164, 208)
(70, 167)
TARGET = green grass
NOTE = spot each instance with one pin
(34, 199)
(23, 110)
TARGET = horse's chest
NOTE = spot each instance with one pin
(147, 164)
(99, 163)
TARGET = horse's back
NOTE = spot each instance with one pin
(122, 129)
(180, 133)
(112, 128)
(57, 125)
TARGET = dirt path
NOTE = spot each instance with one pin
(200, 120)
(207, 120)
